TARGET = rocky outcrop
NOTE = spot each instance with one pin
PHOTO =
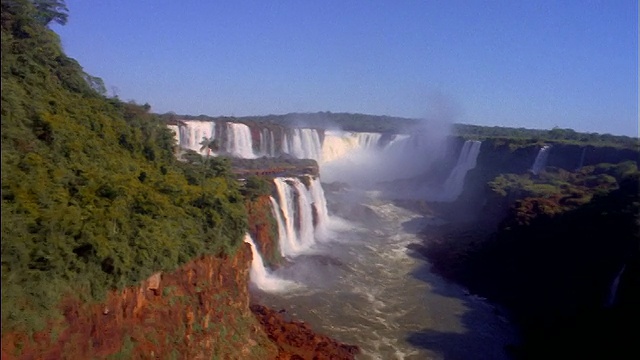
(264, 230)
(296, 340)
(196, 312)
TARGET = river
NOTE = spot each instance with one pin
(363, 285)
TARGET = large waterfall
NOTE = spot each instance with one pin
(302, 144)
(339, 144)
(194, 132)
(454, 184)
(267, 143)
(235, 138)
(239, 142)
(301, 213)
(259, 274)
(541, 160)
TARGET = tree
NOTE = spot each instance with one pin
(51, 10)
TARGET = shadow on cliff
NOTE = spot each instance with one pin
(556, 277)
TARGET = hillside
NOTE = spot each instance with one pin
(111, 248)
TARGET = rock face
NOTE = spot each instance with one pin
(199, 311)
(296, 340)
(264, 230)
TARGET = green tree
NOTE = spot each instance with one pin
(51, 10)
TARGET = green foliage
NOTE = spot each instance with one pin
(256, 186)
(50, 10)
(556, 191)
(92, 197)
(521, 137)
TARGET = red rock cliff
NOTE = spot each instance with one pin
(199, 311)
(263, 229)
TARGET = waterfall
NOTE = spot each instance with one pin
(259, 275)
(267, 143)
(191, 135)
(541, 160)
(338, 144)
(320, 206)
(283, 237)
(454, 184)
(584, 152)
(302, 144)
(305, 214)
(613, 289)
(311, 205)
(239, 141)
(289, 245)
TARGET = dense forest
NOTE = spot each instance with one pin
(92, 196)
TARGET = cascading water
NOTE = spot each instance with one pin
(613, 289)
(320, 206)
(294, 240)
(283, 236)
(194, 132)
(339, 144)
(259, 274)
(239, 141)
(361, 282)
(289, 245)
(305, 215)
(541, 160)
(267, 143)
(584, 152)
(302, 144)
(454, 184)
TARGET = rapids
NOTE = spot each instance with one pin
(363, 285)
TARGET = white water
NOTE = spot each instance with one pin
(289, 245)
(454, 184)
(366, 287)
(302, 144)
(194, 133)
(541, 160)
(320, 204)
(283, 236)
(305, 215)
(267, 143)
(239, 141)
(293, 239)
(259, 275)
(339, 144)
(359, 160)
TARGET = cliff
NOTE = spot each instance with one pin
(199, 311)
(263, 229)
(559, 250)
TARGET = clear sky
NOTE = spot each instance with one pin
(534, 64)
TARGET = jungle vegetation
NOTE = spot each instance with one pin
(92, 196)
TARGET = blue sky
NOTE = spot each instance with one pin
(534, 64)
